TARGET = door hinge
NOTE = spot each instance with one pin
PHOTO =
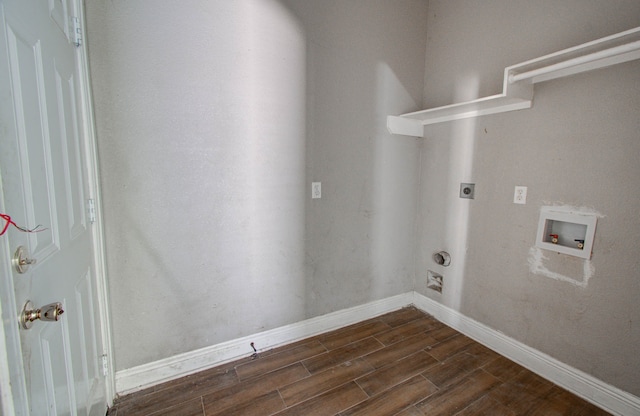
(105, 365)
(76, 31)
(91, 210)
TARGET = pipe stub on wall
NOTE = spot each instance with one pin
(442, 258)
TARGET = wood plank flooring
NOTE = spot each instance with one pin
(404, 363)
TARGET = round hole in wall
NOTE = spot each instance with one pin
(442, 258)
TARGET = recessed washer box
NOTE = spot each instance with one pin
(566, 231)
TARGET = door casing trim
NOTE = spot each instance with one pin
(93, 176)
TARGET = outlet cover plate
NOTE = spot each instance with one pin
(520, 195)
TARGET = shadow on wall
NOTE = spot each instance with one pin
(360, 234)
(275, 163)
(208, 209)
(446, 227)
(395, 189)
(204, 212)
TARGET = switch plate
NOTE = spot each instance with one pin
(316, 190)
(520, 195)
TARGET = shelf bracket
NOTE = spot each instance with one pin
(405, 126)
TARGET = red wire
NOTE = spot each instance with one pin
(9, 222)
(8, 219)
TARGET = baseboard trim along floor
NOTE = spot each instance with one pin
(589, 388)
(147, 375)
(608, 397)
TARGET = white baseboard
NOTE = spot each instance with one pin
(601, 394)
(147, 375)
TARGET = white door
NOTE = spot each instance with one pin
(45, 182)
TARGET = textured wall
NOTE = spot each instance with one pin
(578, 147)
(363, 62)
(213, 118)
(201, 132)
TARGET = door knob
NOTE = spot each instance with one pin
(50, 313)
(21, 260)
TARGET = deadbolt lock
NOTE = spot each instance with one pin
(21, 260)
(50, 313)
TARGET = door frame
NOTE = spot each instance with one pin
(13, 391)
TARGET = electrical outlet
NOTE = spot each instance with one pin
(520, 195)
(316, 190)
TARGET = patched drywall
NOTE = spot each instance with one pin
(212, 120)
(543, 263)
(578, 146)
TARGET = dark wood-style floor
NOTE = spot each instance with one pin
(403, 363)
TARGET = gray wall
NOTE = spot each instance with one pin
(577, 147)
(213, 118)
(363, 62)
